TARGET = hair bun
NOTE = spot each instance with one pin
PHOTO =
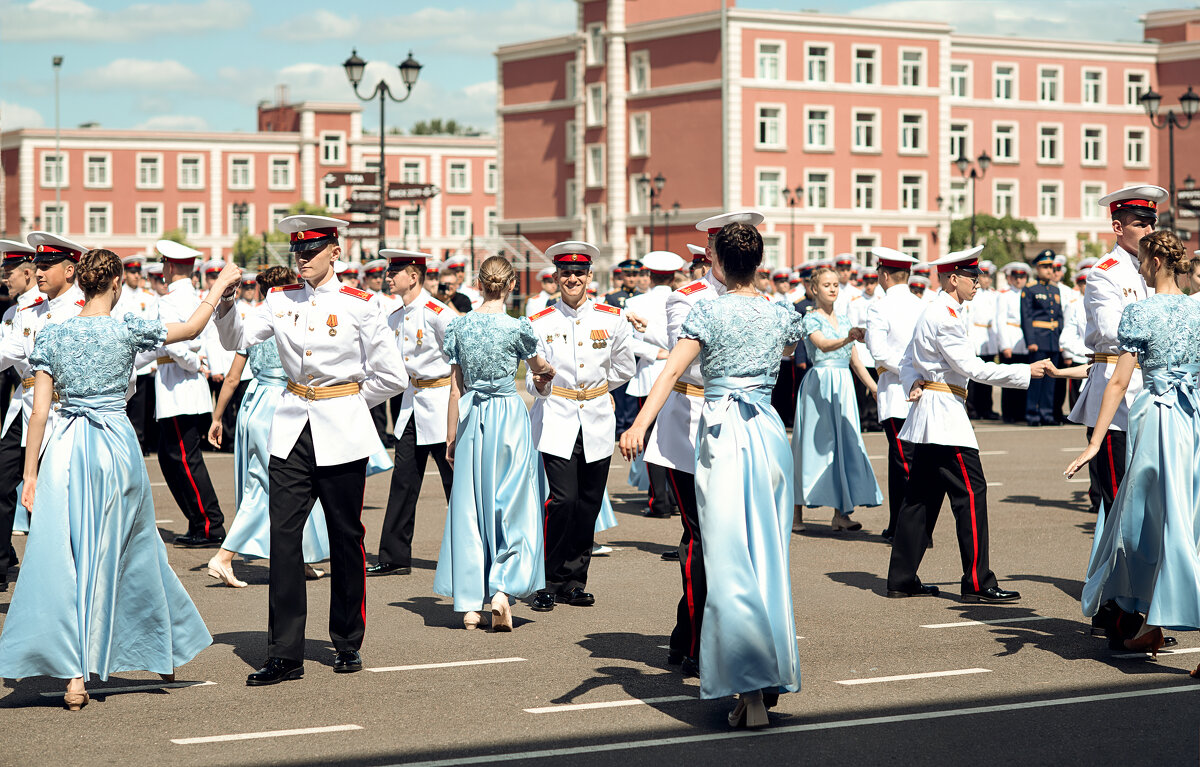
(96, 270)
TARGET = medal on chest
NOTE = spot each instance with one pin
(332, 323)
(27, 332)
(599, 339)
(420, 336)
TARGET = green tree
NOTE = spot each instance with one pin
(439, 127)
(177, 235)
(1003, 239)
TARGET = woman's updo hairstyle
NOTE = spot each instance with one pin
(1166, 245)
(273, 277)
(740, 249)
(96, 271)
(495, 274)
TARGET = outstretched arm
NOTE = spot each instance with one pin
(1114, 393)
(633, 441)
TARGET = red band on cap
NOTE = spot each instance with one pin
(68, 252)
(314, 234)
(407, 261)
(575, 258)
(1113, 207)
(716, 230)
(947, 268)
(844, 262)
(895, 264)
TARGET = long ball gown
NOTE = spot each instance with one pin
(96, 595)
(492, 540)
(831, 464)
(744, 497)
(1145, 556)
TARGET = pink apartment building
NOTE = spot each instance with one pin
(732, 107)
(123, 189)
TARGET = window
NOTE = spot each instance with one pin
(1004, 198)
(770, 128)
(95, 170)
(960, 80)
(911, 185)
(639, 71)
(912, 68)
(1050, 144)
(410, 222)
(772, 249)
(769, 188)
(1004, 77)
(866, 131)
(1135, 85)
(818, 132)
(410, 171)
(99, 218)
(278, 213)
(816, 247)
(333, 148)
(865, 65)
(594, 225)
(958, 197)
(1090, 202)
(1049, 199)
(639, 134)
(1093, 145)
(149, 171)
(595, 105)
(817, 64)
(594, 170)
(570, 210)
(491, 223)
(769, 60)
(458, 177)
(239, 223)
(862, 248)
(191, 172)
(817, 189)
(595, 44)
(54, 172)
(960, 139)
(191, 220)
(1136, 153)
(570, 137)
(331, 198)
(458, 222)
(491, 177)
(149, 220)
(912, 132)
(1093, 86)
(569, 76)
(241, 173)
(1048, 86)
(1004, 144)
(281, 173)
(865, 195)
(639, 195)
(913, 246)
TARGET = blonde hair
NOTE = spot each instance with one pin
(1166, 245)
(495, 275)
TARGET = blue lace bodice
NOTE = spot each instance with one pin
(1163, 330)
(741, 335)
(488, 346)
(264, 361)
(816, 323)
(87, 356)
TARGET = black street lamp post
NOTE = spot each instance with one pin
(793, 199)
(652, 188)
(984, 162)
(1171, 120)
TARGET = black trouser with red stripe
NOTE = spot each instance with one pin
(296, 483)
(400, 519)
(576, 492)
(186, 476)
(938, 471)
(660, 501)
(685, 638)
(1107, 469)
(900, 456)
(12, 465)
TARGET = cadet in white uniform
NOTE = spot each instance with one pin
(573, 423)
(890, 323)
(701, 262)
(340, 358)
(216, 359)
(1012, 340)
(844, 266)
(984, 333)
(137, 300)
(547, 294)
(419, 327)
(373, 273)
(939, 362)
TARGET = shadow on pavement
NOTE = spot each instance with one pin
(1078, 501)
(434, 612)
(251, 648)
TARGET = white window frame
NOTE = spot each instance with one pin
(826, 247)
(467, 171)
(595, 213)
(780, 60)
(639, 196)
(828, 59)
(491, 176)
(157, 157)
(968, 74)
(593, 180)
(179, 181)
(466, 220)
(1015, 207)
(877, 144)
(901, 65)
(1102, 160)
(593, 116)
(333, 197)
(958, 197)
(781, 130)
(43, 167)
(419, 162)
(809, 187)
(1014, 136)
(875, 190)
(276, 213)
(412, 222)
(1145, 74)
(967, 143)
(571, 138)
(570, 75)
(1089, 205)
(1059, 139)
(1014, 94)
(875, 60)
(1145, 162)
(922, 146)
(156, 206)
(639, 59)
(335, 138)
(249, 184)
(773, 252)
(199, 206)
(828, 146)
(1057, 83)
(491, 222)
(1058, 199)
(87, 216)
(87, 159)
(570, 192)
(291, 172)
(594, 44)
(64, 216)
(1083, 86)
(232, 219)
(923, 184)
(644, 149)
(776, 200)
(861, 244)
(913, 245)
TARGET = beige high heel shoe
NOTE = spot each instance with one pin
(501, 614)
(75, 700)
(471, 620)
(842, 521)
(224, 573)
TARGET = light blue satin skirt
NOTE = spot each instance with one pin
(250, 533)
(639, 478)
(744, 498)
(1146, 556)
(96, 595)
(492, 541)
(830, 460)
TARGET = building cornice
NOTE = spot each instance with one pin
(1065, 49)
(1169, 53)
(673, 27)
(755, 19)
(1169, 18)
(550, 46)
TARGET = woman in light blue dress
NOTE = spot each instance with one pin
(1145, 556)
(831, 464)
(492, 546)
(743, 481)
(250, 533)
(96, 595)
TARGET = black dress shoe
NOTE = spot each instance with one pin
(923, 591)
(190, 541)
(1170, 641)
(388, 568)
(690, 667)
(275, 671)
(347, 662)
(992, 594)
(576, 597)
(675, 657)
(671, 555)
(656, 514)
(543, 602)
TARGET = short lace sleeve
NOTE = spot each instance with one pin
(43, 348)
(1133, 334)
(526, 340)
(793, 324)
(449, 341)
(813, 323)
(697, 323)
(145, 335)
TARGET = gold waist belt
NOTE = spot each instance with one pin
(957, 391)
(431, 383)
(322, 392)
(690, 390)
(164, 360)
(580, 395)
(1045, 324)
(27, 383)
(881, 368)
(1108, 359)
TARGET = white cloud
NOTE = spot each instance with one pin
(125, 74)
(174, 123)
(318, 25)
(1065, 19)
(63, 20)
(14, 116)
(475, 31)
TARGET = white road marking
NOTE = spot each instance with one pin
(267, 734)
(681, 740)
(164, 521)
(1079, 480)
(993, 452)
(1069, 450)
(995, 484)
(134, 688)
(988, 623)
(876, 457)
(906, 677)
(608, 704)
(1181, 651)
(424, 666)
(158, 484)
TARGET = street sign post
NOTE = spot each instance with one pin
(401, 191)
(351, 178)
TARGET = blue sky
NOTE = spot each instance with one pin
(204, 64)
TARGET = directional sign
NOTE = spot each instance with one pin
(365, 206)
(358, 231)
(372, 216)
(411, 191)
(365, 194)
(351, 178)
(1191, 195)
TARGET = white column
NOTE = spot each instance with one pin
(731, 73)
(216, 202)
(615, 130)
(26, 173)
(942, 182)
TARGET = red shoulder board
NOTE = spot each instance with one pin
(695, 287)
(952, 314)
(431, 306)
(364, 295)
(36, 302)
(1107, 264)
(542, 313)
(607, 308)
(764, 296)
(79, 303)
(278, 288)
